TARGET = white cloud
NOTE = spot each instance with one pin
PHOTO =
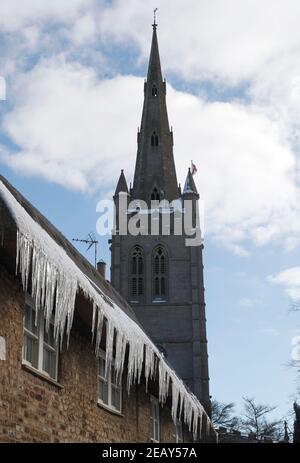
(230, 40)
(71, 128)
(84, 29)
(247, 43)
(16, 14)
(2, 88)
(79, 131)
(289, 279)
(245, 169)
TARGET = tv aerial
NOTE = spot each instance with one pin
(90, 241)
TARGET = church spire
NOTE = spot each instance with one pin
(155, 168)
(154, 68)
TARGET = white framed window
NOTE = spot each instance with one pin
(154, 419)
(40, 351)
(110, 390)
(178, 433)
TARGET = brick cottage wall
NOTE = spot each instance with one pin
(33, 409)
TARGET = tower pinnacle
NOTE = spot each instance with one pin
(122, 184)
(189, 186)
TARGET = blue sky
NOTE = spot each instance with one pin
(74, 73)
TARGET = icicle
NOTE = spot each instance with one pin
(175, 399)
(18, 252)
(55, 278)
(109, 345)
(93, 321)
(149, 364)
(200, 424)
(120, 354)
(208, 427)
(99, 330)
(164, 379)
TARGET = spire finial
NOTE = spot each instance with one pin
(154, 25)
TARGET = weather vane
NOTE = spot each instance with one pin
(154, 14)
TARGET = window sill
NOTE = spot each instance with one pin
(109, 409)
(39, 374)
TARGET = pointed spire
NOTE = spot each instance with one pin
(154, 68)
(122, 184)
(155, 161)
(189, 186)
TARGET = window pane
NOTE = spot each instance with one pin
(103, 391)
(116, 398)
(46, 361)
(151, 427)
(156, 411)
(163, 286)
(156, 287)
(156, 264)
(178, 432)
(154, 420)
(31, 350)
(162, 264)
(156, 430)
(114, 376)
(29, 320)
(140, 267)
(102, 367)
(103, 384)
(134, 266)
(115, 390)
(49, 362)
(49, 337)
(133, 287)
(140, 287)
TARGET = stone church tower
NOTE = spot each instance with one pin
(159, 275)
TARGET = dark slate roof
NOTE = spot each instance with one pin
(82, 263)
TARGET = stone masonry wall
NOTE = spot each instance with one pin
(32, 409)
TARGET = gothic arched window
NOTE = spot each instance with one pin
(154, 90)
(154, 139)
(136, 272)
(160, 273)
(155, 195)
